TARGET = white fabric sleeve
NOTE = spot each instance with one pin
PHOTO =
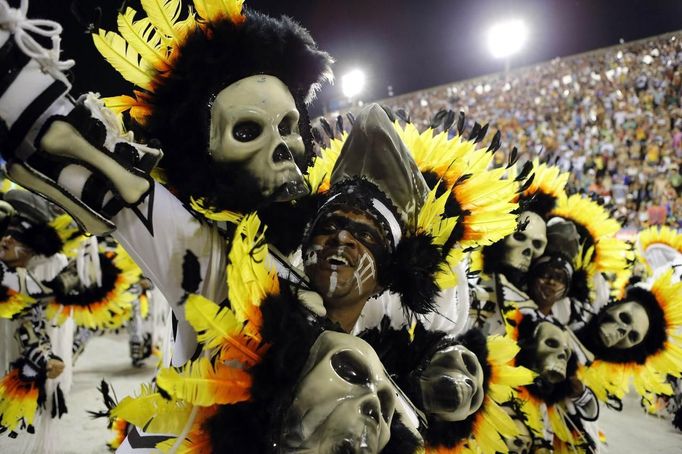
(160, 252)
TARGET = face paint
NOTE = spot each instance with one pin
(366, 271)
(345, 268)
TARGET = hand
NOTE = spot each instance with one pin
(54, 368)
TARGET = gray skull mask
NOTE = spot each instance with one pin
(452, 384)
(254, 121)
(344, 401)
(527, 243)
(552, 352)
(624, 325)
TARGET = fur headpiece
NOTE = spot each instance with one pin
(31, 223)
(181, 65)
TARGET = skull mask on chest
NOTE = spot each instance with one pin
(344, 401)
(551, 352)
(452, 384)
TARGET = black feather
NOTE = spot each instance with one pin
(460, 123)
(412, 271)
(677, 419)
(482, 133)
(438, 118)
(327, 128)
(449, 120)
(473, 135)
(402, 115)
(339, 124)
(512, 157)
(495, 143)
(351, 118)
(317, 137)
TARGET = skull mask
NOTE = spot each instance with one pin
(624, 325)
(527, 243)
(552, 352)
(452, 384)
(523, 441)
(344, 401)
(254, 121)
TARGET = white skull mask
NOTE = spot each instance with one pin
(624, 325)
(552, 352)
(344, 401)
(452, 384)
(527, 243)
(254, 121)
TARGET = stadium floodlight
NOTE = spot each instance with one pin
(352, 83)
(507, 37)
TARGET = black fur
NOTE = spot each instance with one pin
(287, 222)
(539, 203)
(254, 425)
(210, 61)
(402, 441)
(653, 342)
(413, 268)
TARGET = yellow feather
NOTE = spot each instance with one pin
(153, 412)
(144, 39)
(200, 383)
(213, 10)
(164, 15)
(123, 57)
(218, 327)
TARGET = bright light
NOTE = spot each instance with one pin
(352, 83)
(507, 38)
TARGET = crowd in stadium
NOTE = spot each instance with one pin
(611, 117)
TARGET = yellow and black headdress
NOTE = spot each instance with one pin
(600, 250)
(647, 364)
(181, 60)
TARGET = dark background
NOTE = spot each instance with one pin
(407, 44)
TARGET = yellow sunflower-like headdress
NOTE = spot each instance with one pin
(611, 380)
(108, 306)
(543, 189)
(665, 241)
(145, 50)
(602, 251)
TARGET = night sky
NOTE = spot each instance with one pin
(407, 44)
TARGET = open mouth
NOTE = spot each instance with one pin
(337, 258)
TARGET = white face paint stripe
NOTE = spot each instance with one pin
(365, 270)
(332, 283)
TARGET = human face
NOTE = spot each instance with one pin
(624, 325)
(13, 252)
(341, 259)
(549, 286)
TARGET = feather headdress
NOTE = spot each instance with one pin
(602, 251)
(180, 59)
(611, 380)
